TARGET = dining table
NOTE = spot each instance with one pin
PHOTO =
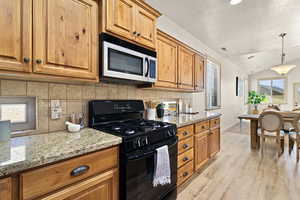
(288, 117)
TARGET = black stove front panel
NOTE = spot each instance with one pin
(137, 170)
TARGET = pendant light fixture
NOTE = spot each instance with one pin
(283, 68)
(235, 2)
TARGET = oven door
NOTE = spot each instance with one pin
(123, 63)
(137, 176)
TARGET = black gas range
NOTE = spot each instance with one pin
(140, 139)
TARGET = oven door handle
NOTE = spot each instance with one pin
(150, 153)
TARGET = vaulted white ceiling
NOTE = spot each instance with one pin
(250, 28)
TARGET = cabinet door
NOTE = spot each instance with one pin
(120, 17)
(15, 36)
(101, 187)
(186, 68)
(167, 62)
(5, 189)
(214, 142)
(201, 150)
(199, 72)
(65, 36)
(145, 27)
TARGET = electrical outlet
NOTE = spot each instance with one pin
(56, 109)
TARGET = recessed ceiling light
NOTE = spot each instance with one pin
(224, 48)
(235, 2)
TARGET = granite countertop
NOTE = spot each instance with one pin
(187, 119)
(22, 153)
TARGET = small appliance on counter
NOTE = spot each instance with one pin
(122, 60)
(140, 140)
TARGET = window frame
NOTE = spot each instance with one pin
(31, 113)
(285, 91)
(210, 108)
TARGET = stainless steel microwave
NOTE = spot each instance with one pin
(127, 61)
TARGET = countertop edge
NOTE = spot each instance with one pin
(19, 168)
(198, 120)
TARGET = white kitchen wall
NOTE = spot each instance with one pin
(232, 106)
(292, 77)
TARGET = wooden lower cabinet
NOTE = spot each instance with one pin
(6, 189)
(201, 150)
(198, 143)
(100, 187)
(214, 142)
(93, 176)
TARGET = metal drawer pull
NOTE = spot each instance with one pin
(185, 133)
(185, 159)
(185, 146)
(203, 127)
(80, 170)
(185, 174)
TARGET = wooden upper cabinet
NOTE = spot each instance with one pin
(65, 38)
(15, 36)
(120, 17)
(101, 187)
(131, 19)
(199, 72)
(6, 188)
(186, 68)
(167, 61)
(145, 27)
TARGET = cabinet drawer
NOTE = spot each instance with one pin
(185, 145)
(48, 179)
(201, 126)
(185, 157)
(185, 172)
(214, 123)
(185, 132)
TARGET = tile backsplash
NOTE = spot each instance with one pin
(74, 98)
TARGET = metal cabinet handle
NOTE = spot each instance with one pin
(26, 60)
(134, 33)
(39, 61)
(185, 159)
(80, 170)
(138, 34)
(185, 146)
(203, 127)
(185, 133)
(185, 174)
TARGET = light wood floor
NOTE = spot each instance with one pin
(241, 174)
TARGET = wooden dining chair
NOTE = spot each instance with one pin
(271, 123)
(296, 109)
(271, 107)
(294, 137)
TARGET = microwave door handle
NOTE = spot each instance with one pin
(148, 66)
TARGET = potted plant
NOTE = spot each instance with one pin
(254, 99)
(160, 110)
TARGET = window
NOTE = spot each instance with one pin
(274, 89)
(213, 85)
(21, 111)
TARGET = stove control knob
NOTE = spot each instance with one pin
(138, 142)
(144, 141)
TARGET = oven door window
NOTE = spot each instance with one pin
(122, 62)
(139, 177)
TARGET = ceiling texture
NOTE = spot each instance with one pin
(247, 29)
